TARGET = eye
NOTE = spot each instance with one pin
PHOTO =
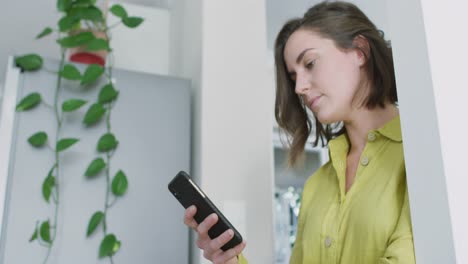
(292, 76)
(310, 65)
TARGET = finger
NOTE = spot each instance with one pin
(201, 244)
(222, 257)
(203, 228)
(188, 217)
(208, 255)
(221, 240)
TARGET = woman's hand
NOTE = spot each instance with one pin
(212, 247)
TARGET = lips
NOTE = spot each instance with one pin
(313, 102)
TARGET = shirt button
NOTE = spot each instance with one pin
(364, 161)
(371, 136)
(328, 242)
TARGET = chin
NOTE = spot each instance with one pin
(326, 119)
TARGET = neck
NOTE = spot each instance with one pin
(364, 120)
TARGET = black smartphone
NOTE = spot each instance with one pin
(189, 193)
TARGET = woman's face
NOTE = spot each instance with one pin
(326, 77)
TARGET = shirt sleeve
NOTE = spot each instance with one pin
(400, 248)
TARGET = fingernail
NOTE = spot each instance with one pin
(230, 232)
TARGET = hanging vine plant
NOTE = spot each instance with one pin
(78, 30)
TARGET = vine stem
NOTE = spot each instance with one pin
(48, 105)
(108, 154)
(57, 158)
(113, 26)
(108, 74)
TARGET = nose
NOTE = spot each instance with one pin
(302, 84)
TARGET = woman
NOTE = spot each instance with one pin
(354, 209)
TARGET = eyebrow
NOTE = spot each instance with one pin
(299, 58)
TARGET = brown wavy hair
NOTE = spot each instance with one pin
(341, 22)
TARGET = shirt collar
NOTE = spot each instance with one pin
(339, 146)
(392, 129)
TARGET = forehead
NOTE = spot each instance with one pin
(301, 40)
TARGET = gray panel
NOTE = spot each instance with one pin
(151, 120)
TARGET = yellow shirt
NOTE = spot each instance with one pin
(370, 224)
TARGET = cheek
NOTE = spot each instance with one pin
(339, 82)
(342, 81)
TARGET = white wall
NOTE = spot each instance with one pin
(236, 160)
(232, 121)
(19, 26)
(447, 41)
(430, 43)
(163, 4)
(185, 61)
(145, 48)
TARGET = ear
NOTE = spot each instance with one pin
(362, 49)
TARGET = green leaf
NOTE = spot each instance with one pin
(47, 187)
(34, 235)
(116, 247)
(132, 22)
(84, 2)
(92, 73)
(107, 143)
(65, 143)
(67, 22)
(72, 105)
(107, 94)
(48, 184)
(94, 114)
(44, 33)
(95, 167)
(90, 13)
(109, 246)
(93, 13)
(98, 44)
(76, 40)
(63, 5)
(28, 102)
(29, 62)
(70, 72)
(118, 11)
(94, 222)
(45, 232)
(51, 171)
(119, 184)
(38, 139)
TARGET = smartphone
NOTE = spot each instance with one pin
(189, 193)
